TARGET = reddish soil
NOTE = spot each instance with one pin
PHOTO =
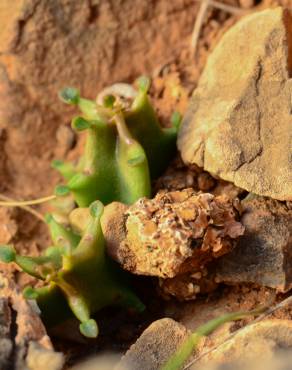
(25, 173)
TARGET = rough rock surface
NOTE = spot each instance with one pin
(156, 344)
(177, 232)
(179, 176)
(263, 255)
(174, 236)
(113, 226)
(24, 343)
(260, 346)
(238, 125)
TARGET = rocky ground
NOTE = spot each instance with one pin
(258, 270)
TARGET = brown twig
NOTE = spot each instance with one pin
(198, 25)
(286, 302)
(227, 8)
(205, 4)
(24, 207)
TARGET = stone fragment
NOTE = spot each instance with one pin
(42, 358)
(154, 347)
(23, 338)
(187, 286)
(263, 255)
(113, 227)
(179, 176)
(162, 237)
(261, 346)
(177, 232)
(174, 237)
(238, 125)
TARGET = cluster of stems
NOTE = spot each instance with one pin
(77, 273)
(125, 147)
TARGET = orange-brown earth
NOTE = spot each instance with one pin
(46, 45)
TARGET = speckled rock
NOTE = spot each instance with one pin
(177, 232)
(154, 347)
(263, 255)
(238, 125)
(173, 237)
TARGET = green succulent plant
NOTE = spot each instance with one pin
(125, 148)
(78, 275)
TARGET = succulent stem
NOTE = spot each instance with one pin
(124, 147)
(83, 276)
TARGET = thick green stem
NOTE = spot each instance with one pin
(132, 165)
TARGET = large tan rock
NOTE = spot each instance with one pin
(154, 347)
(266, 345)
(239, 123)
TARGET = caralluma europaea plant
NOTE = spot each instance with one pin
(76, 271)
(125, 147)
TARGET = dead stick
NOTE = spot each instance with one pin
(198, 25)
(201, 16)
(228, 8)
(25, 207)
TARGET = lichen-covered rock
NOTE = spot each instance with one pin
(174, 237)
(263, 254)
(177, 232)
(154, 347)
(238, 125)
